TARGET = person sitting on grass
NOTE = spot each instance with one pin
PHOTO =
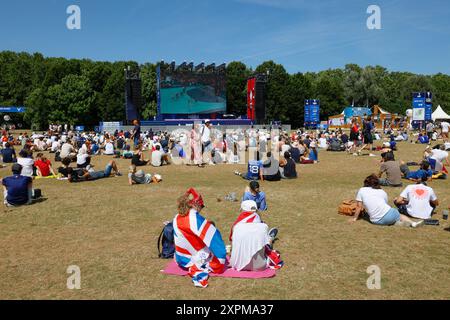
(17, 189)
(252, 192)
(139, 177)
(423, 139)
(417, 176)
(25, 159)
(83, 159)
(199, 246)
(109, 148)
(289, 170)
(375, 202)
(391, 168)
(127, 153)
(159, 158)
(252, 242)
(43, 166)
(271, 168)
(138, 157)
(417, 200)
(254, 170)
(8, 154)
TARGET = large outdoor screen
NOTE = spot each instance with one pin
(188, 92)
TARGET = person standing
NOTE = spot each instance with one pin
(206, 138)
(136, 136)
(444, 130)
(430, 129)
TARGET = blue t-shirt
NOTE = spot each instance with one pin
(17, 187)
(260, 200)
(419, 174)
(7, 155)
(253, 169)
(424, 139)
(314, 155)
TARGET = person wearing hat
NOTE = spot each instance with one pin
(252, 241)
(199, 246)
(17, 188)
(253, 193)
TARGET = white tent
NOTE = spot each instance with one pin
(439, 114)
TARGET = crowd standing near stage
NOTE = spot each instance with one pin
(270, 155)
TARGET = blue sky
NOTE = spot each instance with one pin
(300, 34)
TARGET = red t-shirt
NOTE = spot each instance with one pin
(44, 166)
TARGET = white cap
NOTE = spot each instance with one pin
(249, 206)
(157, 177)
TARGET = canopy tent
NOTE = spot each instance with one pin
(343, 120)
(440, 114)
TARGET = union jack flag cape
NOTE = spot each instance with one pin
(199, 247)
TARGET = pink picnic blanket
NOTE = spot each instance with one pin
(173, 269)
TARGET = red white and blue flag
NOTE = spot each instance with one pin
(199, 247)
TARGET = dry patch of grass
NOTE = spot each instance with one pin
(110, 229)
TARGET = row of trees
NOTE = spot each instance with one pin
(87, 92)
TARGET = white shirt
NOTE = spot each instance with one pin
(157, 158)
(419, 197)
(439, 155)
(27, 166)
(445, 126)
(375, 202)
(206, 136)
(81, 158)
(109, 148)
(66, 149)
(55, 146)
(323, 143)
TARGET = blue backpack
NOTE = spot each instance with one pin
(166, 242)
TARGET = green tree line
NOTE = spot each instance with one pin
(87, 92)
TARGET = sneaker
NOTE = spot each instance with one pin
(403, 224)
(118, 174)
(237, 173)
(417, 224)
(372, 155)
(355, 154)
(273, 233)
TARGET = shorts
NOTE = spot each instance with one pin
(368, 139)
(390, 218)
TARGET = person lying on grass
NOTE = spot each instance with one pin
(417, 176)
(81, 174)
(375, 202)
(252, 241)
(199, 246)
(139, 177)
(89, 175)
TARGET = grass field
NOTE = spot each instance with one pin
(109, 230)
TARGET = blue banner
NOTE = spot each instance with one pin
(12, 109)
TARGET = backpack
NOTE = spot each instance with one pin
(348, 208)
(166, 244)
